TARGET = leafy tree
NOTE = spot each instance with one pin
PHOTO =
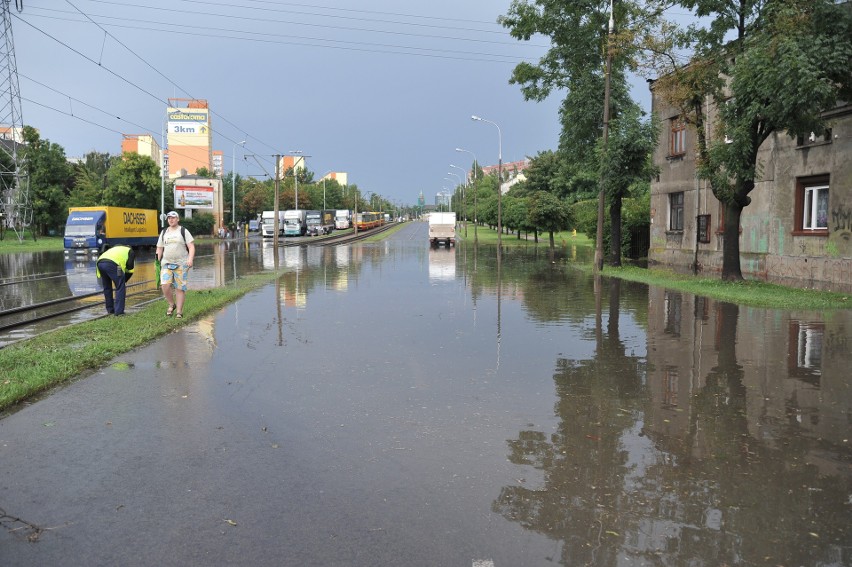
(204, 172)
(134, 182)
(50, 181)
(549, 214)
(626, 162)
(256, 197)
(788, 63)
(90, 179)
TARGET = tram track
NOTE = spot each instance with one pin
(35, 314)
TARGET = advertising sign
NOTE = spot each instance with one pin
(193, 197)
(188, 122)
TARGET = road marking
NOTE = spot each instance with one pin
(483, 563)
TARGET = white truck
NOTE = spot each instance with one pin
(442, 228)
(267, 223)
(342, 219)
(295, 222)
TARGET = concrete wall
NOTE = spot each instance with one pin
(771, 248)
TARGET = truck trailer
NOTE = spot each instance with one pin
(267, 224)
(442, 228)
(91, 229)
(319, 222)
(294, 222)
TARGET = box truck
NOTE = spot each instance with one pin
(342, 219)
(267, 224)
(294, 222)
(319, 222)
(442, 228)
(90, 229)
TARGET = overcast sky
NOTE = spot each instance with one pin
(380, 89)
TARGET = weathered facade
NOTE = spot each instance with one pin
(798, 228)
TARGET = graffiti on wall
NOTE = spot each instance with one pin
(840, 241)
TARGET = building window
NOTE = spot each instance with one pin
(816, 208)
(812, 139)
(676, 211)
(678, 138)
(812, 206)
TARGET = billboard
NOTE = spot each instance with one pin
(193, 197)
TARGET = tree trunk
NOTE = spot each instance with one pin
(731, 243)
(615, 232)
(552, 243)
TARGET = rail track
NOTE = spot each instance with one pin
(42, 317)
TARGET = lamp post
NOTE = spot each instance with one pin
(463, 179)
(499, 182)
(234, 181)
(324, 175)
(460, 183)
(298, 154)
(475, 164)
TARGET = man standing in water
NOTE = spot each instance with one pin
(176, 251)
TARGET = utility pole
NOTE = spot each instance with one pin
(601, 198)
(275, 211)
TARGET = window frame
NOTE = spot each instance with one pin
(676, 219)
(805, 188)
(677, 137)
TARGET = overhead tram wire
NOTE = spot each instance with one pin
(110, 71)
(372, 20)
(231, 17)
(505, 59)
(168, 79)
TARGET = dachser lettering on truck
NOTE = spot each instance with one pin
(135, 218)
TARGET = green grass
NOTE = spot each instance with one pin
(485, 235)
(32, 366)
(748, 292)
(10, 243)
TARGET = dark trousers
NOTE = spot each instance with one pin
(112, 274)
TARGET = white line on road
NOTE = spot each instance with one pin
(483, 563)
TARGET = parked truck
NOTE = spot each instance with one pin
(342, 219)
(442, 228)
(295, 222)
(90, 229)
(319, 222)
(267, 224)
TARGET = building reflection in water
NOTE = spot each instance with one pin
(728, 444)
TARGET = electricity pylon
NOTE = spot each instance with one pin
(17, 211)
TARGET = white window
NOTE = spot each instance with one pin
(815, 208)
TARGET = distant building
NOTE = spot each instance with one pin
(442, 199)
(513, 173)
(142, 144)
(286, 163)
(13, 134)
(218, 170)
(340, 176)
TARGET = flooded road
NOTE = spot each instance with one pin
(392, 404)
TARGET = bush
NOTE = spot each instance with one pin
(199, 225)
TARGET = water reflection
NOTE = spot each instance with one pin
(728, 444)
(442, 264)
(81, 274)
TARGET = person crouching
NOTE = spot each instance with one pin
(115, 268)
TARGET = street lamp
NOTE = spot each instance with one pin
(460, 183)
(298, 154)
(324, 175)
(464, 195)
(454, 182)
(234, 180)
(475, 164)
(499, 181)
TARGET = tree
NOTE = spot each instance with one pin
(626, 161)
(787, 65)
(549, 214)
(90, 179)
(50, 181)
(134, 181)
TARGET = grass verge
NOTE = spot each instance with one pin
(40, 363)
(749, 292)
